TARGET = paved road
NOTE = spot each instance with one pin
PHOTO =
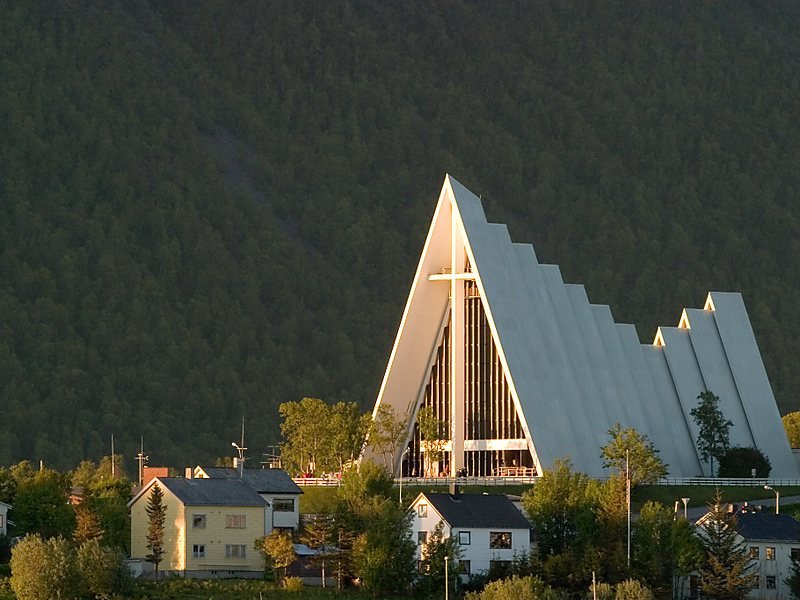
(695, 512)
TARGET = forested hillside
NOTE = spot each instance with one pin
(209, 208)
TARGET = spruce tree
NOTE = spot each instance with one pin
(157, 514)
(727, 572)
(793, 581)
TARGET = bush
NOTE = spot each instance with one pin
(293, 584)
(633, 590)
(517, 588)
(603, 591)
(45, 569)
(739, 462)
(103, 570)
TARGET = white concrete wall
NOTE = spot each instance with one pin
(478, 551)
(780, 568)
(280, 518)
(3, 519)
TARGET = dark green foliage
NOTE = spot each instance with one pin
(41, 507)
(739, 462)
(714, 428)
(207, 210)
(793, 581)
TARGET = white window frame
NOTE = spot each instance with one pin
(502, 535)
(198, 550)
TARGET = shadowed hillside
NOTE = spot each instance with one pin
(209, 208)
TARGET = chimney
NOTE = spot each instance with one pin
(189, 473)
(454, 490)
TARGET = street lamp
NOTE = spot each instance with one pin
(685, 508)
(401, 474)
(628, 498)
(446, 583)
(777, 499)
(241, 457)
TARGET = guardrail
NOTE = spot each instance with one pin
(530, 480)
(743, 482)
(317, 481)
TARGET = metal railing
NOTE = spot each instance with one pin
(530, 480)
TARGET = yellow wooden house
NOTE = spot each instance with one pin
(211, 525)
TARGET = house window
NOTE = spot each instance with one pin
(770, 553)
(500, 540)
(235, 551)
(283, 505)
(464, 538)
(1, 521)
(754, 552)
(422, 510)
(235, 521)
(464, 567)
(770, 582)
(199, 550)
(199, 521)
(499, 569)
(795, 553)
(422, 538)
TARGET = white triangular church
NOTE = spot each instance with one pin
(525, 370)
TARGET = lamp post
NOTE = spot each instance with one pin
(628, 498)
(401, 475)
(777, 499)
(685, 508)
(446, 582)
(241, 457)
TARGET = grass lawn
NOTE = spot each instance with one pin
(177, 588)
(322, 499)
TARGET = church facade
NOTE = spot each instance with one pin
(522, 369)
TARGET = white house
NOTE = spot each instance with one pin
(4, 508)
(489, 528)
(273, 485)
(772, 540)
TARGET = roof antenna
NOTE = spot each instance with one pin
(141, 459)
(241, 450)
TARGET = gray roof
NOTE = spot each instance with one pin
(212, 492)
(575, 371)
(264, 481)
(768, 526)
(480, 511)
(569, 360)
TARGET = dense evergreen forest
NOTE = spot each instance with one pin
(209, 208)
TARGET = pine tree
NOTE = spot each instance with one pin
(726, 574)
(87, 525)
(793, 581)
(157, 514)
